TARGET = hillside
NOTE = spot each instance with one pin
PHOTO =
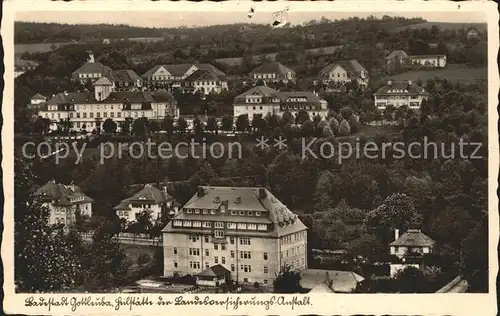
(452, 72)
(442, 25)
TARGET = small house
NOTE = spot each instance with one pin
(213, 276)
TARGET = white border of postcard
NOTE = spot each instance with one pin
(345, 304)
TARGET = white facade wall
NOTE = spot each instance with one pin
(67, 215)
(262, 266)
(412, 101)
(131, 216)
(401, 251)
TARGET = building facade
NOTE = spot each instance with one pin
(88, 110)
(204, 78)
(21, 66)
(150, 199)
(344, 71)
(397, 94)
(410, 248)
(433, 61)
(246, 230)
(262, 100)
(273, 71)
(63, 202)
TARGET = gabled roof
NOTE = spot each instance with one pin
(103, 81)
(401, 88)
(62, 194)
(245, 199)
(335, 280)
(38, 96)
(396, 53)
(93, 68)
(215, 271)
(212, 69)
(272, 67)
(415, 238)
(259, 90)
(353, 67)
(203, 75)
(125, 75)
(149, 194)
(284, 95)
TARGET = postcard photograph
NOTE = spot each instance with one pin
(250, 157)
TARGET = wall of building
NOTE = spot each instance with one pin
(176, 250)
(401, 251)
(412, 101)
(131, 216)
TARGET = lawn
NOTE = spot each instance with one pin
(453, 72)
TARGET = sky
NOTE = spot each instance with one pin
(166, 19)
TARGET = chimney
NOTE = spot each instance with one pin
(410, 82)
(396, 234)
(262, 193)
(201, 191)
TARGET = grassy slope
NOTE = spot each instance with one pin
(452, 72)
(443, 25)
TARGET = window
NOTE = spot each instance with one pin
(219, 234)
(212, 212)
(175, 250)
(242, 226)
(216, 259)
(266, 269)
(258, 213)
(197, 211)
(223, 260)
(223, 247)
(265, 255)
(231, 225)
(175, 264)
(205, 212)
(207, 224)
(245, 280)
(219, 225)
(233, 212)
(231, 240)
(207, 265)
(245, 255)
(207, 252)
(232, 254)
(216, 246)
(232, 267)
(189, 211)
(245, 241)
(105, 114)
(262, 227)
(206, 239)
(242, 213)
(265, 281)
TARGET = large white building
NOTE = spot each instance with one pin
(63, 202)
(88, 110)
(204, 78)
(344, 71)
(273, 71)
(399, 94)
(246, 230)
(261, 100)
(150, 199)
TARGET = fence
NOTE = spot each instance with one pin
(130, 239)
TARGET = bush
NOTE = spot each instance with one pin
(143, 259)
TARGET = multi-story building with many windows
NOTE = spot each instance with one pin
(88, 110)
(246, 230)
(402, 93)
(262, 100)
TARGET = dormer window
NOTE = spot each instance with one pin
(189, 211)
(258, 213)
(233, 212)
(197, 211)
(205, 212)
(249, 213)
(242, 213)
(238, 200)
(216, 199)
(212, 212)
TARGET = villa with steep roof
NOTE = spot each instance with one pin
(402, 58)
(204, 78)
(63, 202)
(344, 71)
(246, 230)
(400, 93)
(149, 198)
(273, 71)
(409, 248)
(262, 100)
